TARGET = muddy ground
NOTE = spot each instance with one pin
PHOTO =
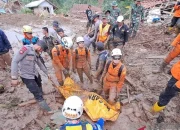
(139, 57)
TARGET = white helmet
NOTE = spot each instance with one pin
(116, 52)
(120, 18)
(67, 42)
(80, 39)
(73, 107)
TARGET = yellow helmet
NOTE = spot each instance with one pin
(27, 29)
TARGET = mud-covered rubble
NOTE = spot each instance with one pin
(150, 41)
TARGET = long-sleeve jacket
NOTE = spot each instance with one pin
(4, 43)
(26, 60)
(177, 10)
(121, 32)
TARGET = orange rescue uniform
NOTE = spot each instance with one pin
(61, 60)
(112, 78)
(177, 11)
(103, 32)
(176, 50)
(82, 62)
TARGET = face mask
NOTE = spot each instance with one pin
(116, 61)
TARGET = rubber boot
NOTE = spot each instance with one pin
(112, 95)
(157, 108)
(44, 106)
(161, 68)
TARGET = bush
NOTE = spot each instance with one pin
(26, 11)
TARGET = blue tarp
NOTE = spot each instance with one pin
(2, 11)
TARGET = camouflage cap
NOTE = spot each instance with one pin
(114, 3)
(104, 16)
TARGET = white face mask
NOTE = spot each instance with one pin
(116, 61)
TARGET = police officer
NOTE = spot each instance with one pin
(137, 15)
(115, 12)
(26, 60)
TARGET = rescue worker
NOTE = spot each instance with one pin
(113, 76)
(96, 21)
(115, 11)
(111, 19)
(28, 38)
(104, 31)
(49, 40)
(82, 60)
(172, 89)
(62, 59)
(176, 15)
(101, 61)
(172, 54)
(5, 48)
(89, 16)
(26, 60)
(137, 15)
(120, 30)
(72, 110)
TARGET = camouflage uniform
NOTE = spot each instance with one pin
(115, 13)
(137, 14)
(111, 20)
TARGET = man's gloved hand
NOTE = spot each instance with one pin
(66, 73)
(14, 82)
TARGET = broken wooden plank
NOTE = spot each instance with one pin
(156, 57)
(129, 80)
(126, 101)
(136, 64)
(27, 103)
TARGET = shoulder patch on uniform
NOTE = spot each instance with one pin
(23, 49)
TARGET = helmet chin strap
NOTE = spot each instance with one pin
(25, 35)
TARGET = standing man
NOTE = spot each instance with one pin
(53, 32)
(176, 15)
(137, 15)
(60, 32)
(62, 59)
(28, 37)
(5, 47)
(113, 76)
(82, 60)
(111, 19)
(49, 40)
(120, 32)
(89, 16)
(101, 61)
(172, 89)
(115, 12)
(96, 21)
(104, 31)
(26, 60)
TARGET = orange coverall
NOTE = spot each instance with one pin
(112, 82)
(82, 62)
(61, 61)
(177, 11)
(176, 50)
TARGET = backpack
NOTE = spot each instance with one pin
(58, 51)
(120, 70)
(86, 53)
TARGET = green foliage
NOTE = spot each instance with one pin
(26, 11)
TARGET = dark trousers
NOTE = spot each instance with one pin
(174, 21)
(170, 92)
(35, 87)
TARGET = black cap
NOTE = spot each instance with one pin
(59, 30)
(42, 44)
(95, 16)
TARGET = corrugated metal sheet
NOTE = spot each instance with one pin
(34, 4)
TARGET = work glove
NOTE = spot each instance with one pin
(14, 82)
(66, 73)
